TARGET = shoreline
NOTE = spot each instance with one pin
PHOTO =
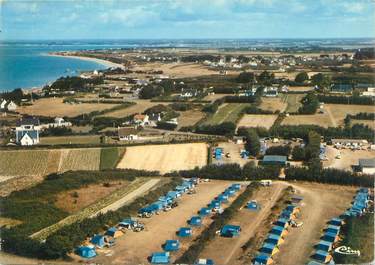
(105, 63)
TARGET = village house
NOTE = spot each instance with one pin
(188, 93)
(270, 92)
(27, 131)
(367, 166)
(127, 134)
(3, 103)
(141, 120)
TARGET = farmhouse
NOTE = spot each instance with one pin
(127, 134)
(367, 166)
(11, 106)
(27, 131)
(141, 120)
(188, 93)
(274, 160)
(270, 92)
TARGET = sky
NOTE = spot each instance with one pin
(186, 19)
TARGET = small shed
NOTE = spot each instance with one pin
(98, 241)
(262, 259)
(86, 252)
(296, 199)
(172, 245)
(230, 231)
(336, 221)
(204, 262)
(333, 229)
(204, 211)
(330, 237)
(113, 232)
(322, 256)
(215, 204)
(283, 222)
(274, 160)
(195, 221)
(160, 258)
(185, 232)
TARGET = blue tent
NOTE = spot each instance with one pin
(283, 222)
(262, 259)
(166, 199)
(333, 229)
(286, 214)
(98, 240)
(195, 221)
(321, 255)
(160, 258)
(231, 192)
(336, 221)
(86, 252)
(185, 232)
(329, 237)
(230, 230)
(273, 239)
(111, 232)
(277, 230)
(128, 222)
(222, 198)
(181, 188)
(204, 211)
(215, 204)
(268, 248)
(172, 245)
(324, 245)
(253, 206)
(236, 186)
(173, 194)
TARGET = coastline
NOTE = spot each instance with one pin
(105, 63)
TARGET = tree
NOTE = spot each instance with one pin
(301, 77)
(149, 92)
(57, 246)
(246, 77)
(298, 153)
(266, 78)
(252, 144)
(321, 81)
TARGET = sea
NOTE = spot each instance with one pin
(26, 64)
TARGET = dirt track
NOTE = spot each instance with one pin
(165, 158)
(321, 202)
(226, 250)
(134, 248)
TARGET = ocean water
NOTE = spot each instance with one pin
(24, 64)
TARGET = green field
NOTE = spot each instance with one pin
(358, 234)
(110, 156)
(230, 112)
(293, 101)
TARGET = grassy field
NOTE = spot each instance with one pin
(140, 106)
(80, 139)
(358, 234)
(54, 107)
(230, 112)
(80, 159)
(273, 104)
(110, 156)
(165, 158)
(292, 101)
(257, 120)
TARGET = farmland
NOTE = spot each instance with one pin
(54, 107)
(165, 158)
(140, 106)
(229, 112)
(257, 120)
(333, 116)
(77, 139)
(189, 118)
(272, 104)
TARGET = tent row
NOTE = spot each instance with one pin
(276, 235)
(107, 239)
(330, 237)
(168, 201)
(173, 245)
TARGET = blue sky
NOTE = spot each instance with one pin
(155, 19)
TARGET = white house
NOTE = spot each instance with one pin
(127, 134)
(188, 93)
(367, 166)
(3, 103)
(27, 131)
(12, 106)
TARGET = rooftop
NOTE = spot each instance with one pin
(367, 162)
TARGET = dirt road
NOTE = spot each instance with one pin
(134, 248)
(226, 250)
(320, 203)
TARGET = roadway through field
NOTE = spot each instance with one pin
(226, 250)
(135, 248)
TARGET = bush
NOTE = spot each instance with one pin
(166, 125)
(357, 100)
(301, 77)
(298, 153)
(225, 128)
(252, 144)
(310, 104)
(282, 150)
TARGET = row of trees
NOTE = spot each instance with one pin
(356, 100)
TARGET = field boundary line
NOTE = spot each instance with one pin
(112, 202)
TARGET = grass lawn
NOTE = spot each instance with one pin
(358, 234)
(230, 112)
(74, 139)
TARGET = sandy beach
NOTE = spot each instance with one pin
(99, 61)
